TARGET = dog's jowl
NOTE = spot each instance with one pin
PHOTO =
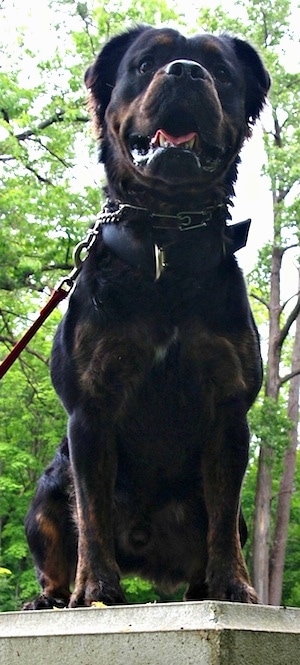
(157, 359)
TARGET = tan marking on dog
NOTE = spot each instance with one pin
(48, 528)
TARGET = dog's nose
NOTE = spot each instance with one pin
(185, 68)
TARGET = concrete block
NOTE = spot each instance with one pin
(194, 633)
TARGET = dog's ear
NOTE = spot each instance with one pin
(100, 77)
(256, 76)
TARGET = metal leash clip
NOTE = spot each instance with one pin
(79, 258)
(85, 246)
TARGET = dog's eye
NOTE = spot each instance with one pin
(222, 75)
(146, 65)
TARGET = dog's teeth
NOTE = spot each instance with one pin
(189, 145)
(163, 142)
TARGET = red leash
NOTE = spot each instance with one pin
(58, 294)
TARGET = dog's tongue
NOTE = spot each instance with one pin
(161, 138)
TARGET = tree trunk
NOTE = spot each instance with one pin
(262, 525)
(286, 486)
(261, 539)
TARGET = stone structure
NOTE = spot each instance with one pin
(194, 633)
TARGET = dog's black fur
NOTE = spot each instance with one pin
(157, 374)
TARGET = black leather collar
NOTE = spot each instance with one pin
(237, 234)
(150, 256)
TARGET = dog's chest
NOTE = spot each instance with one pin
(150, 340)
(161, 350)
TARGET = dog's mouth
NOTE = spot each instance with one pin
(187, 153)
(164, 140)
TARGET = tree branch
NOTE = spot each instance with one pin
(58, 266)
(291, 84)
(266, 32)
(277, 133)
(69, 250)
(53, 154)
(7, 340)
(5, 115)
(58, 117)
(287, 301)
(83, 13)
(10, 342)
(288, 377)
(283, 193)
(261, 300)
(285, 249)
(290, 320)
(40, 178)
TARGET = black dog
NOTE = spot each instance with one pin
(157, 359)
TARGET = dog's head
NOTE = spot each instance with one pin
(173, 112)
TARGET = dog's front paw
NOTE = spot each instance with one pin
(103, 592)
(196, 591)
(239, 591)
(44, 602)
(231, 585)
(234, 590)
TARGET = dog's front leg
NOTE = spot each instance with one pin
(223, 466)
(94, 460)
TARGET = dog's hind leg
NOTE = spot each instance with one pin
(51, 534)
